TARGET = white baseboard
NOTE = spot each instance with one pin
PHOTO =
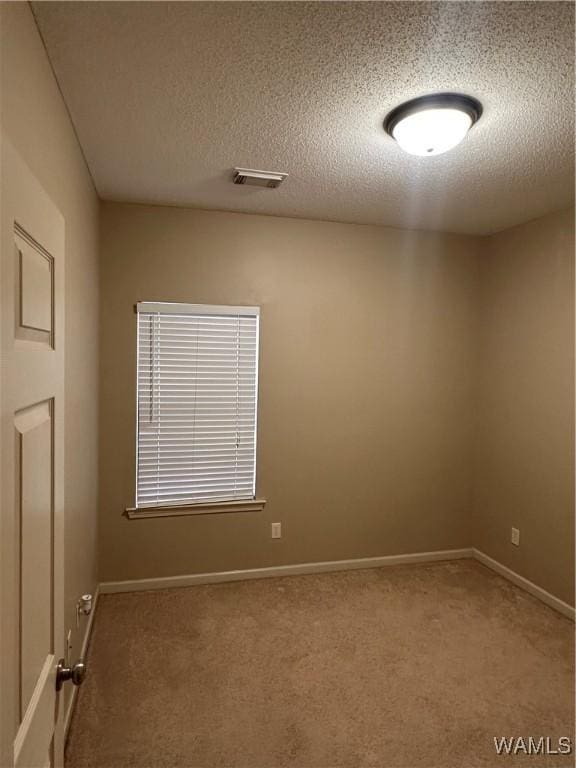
(194, 579)
(526, 584)
(166, 582)
(83, 651)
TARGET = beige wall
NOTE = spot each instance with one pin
(525, 439)
(36, 121)
(416, 389)
(366, 385)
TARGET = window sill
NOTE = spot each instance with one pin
(207, 508)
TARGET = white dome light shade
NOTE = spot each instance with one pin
(432, 131)
(431, 125)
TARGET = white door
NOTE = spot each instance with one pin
(32, 467)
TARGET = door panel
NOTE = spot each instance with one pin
(34, 427)
(32, 468)
(31, 748)
(34, 289)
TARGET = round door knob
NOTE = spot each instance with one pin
(76, 673)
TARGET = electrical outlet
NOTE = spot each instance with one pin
(276, 530)
(515, 537)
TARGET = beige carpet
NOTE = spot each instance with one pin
(392, 668)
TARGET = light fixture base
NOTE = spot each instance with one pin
(459, 101)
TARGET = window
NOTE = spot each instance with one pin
(197, 404)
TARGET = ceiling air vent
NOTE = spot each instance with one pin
(258, 178)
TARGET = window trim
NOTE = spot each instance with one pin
(204, 507)
(198, 508)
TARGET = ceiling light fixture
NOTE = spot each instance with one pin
(433, 124)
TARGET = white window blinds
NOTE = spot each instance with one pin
(197, 398)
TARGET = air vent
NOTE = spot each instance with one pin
(270, 179)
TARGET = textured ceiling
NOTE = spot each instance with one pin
(168, 97)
